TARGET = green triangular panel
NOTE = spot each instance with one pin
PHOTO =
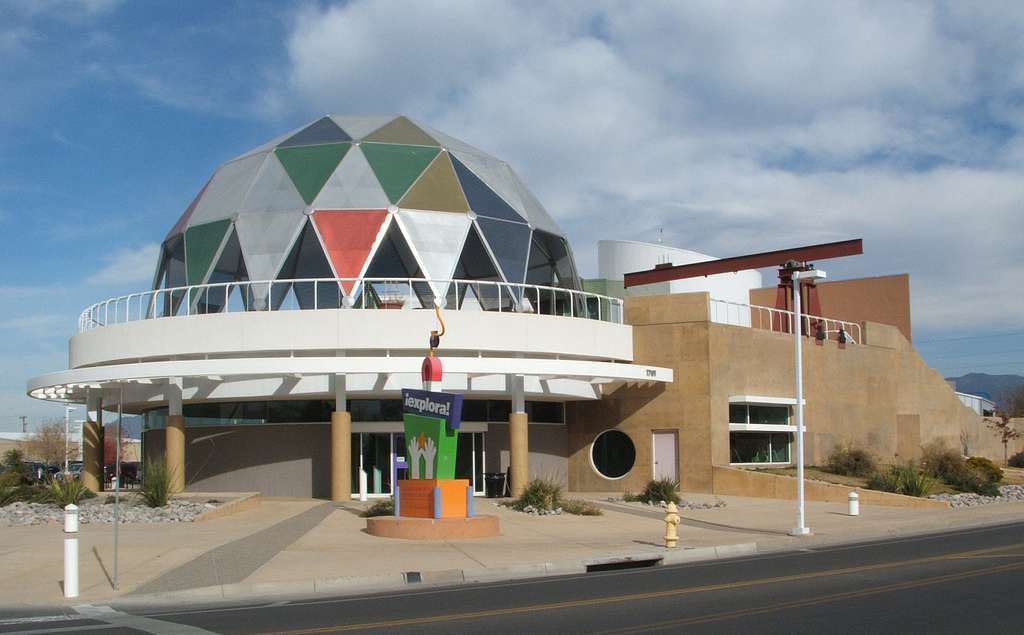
(401, 130)
(437, 189)
(201, 245)
(397, 167)
(309, 167)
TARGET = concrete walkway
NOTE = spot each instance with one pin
(308, 546)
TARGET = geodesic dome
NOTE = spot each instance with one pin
(364, 197)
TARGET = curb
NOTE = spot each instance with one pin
(243, 503)
(361, 585)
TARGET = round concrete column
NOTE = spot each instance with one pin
(519, 451)
(92, 455)
(174, 451)
(341, 456)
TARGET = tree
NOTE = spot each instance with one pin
(1015, 402)
(48, 444)
(1001, 426)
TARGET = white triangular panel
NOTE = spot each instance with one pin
(227, 190)
(452, 144)
(436, 239)
(270, 145)
(265, 240)
(272, 191)
(353, 185)
(359, 126)
(535, 212)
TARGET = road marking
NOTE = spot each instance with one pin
(137, 622)
(846, 595)
(632, 597)
(39, 619)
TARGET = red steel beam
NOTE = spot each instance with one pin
(777, 258)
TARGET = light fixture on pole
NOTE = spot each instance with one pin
(67, 425)
(801, 528)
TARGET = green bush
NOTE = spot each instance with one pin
(1017, 460)
(985, 466)
(14, 459)
(850, 461)
(971, 479)
(659, 490)
(940, 461)
(542, 494)
(67, 492)
(8, 494)
(580, 507)
(904, 479)
(156, 489)
(22, 493)
(383, 507)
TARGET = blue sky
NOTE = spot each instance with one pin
(735, 127)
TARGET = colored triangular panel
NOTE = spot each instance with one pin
(182, 223)
(401, 130)
(496, 175)
(227, 189)
(310, 166)
(307, 260)
(202, 242)
(437, 188)
(272, 191)
(323, 130)
(510, 244)
(452, 144)
(437, 240)
(349, 237)
(481, 198)
(358, 126)
(353, 185)
(265, 240)
(396, 166)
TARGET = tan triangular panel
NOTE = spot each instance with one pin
(437, 189)
(401, 130)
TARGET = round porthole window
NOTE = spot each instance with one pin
(613, 454)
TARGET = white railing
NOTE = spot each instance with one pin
(350, 293)
(763, 317)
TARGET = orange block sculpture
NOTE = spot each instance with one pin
(434, 498)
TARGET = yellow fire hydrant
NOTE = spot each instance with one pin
(671, 522)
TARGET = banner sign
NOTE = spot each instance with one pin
(432, 422)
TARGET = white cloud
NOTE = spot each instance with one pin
(128, 266)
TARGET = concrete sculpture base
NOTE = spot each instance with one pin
(433, 528)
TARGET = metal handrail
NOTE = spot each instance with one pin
(366, 293)
(769, 318)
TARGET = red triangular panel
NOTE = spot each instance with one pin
(348, 237)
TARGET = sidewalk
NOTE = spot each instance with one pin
(308, 551)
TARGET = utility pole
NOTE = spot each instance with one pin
(23, 424)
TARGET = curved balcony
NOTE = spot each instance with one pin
(351, 293)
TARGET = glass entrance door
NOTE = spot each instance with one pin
(382, 456)
(375, 461)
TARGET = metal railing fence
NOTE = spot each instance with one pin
(768, 318)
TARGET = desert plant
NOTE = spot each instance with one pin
(850, 461)
(1017, 460)
(66, 492)
(1004, 430)
(157, 488)
(658, 490)
(992, 472)
(13, 459)
(971, 479)
(383, 507)
(939, 460)
(541, 494)
(8, 495)
(883, 481)
(904, 479)
(580, 507)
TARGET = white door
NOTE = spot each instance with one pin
(666, 457)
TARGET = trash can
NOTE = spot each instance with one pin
(494, 484)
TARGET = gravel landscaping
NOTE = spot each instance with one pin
(682, 505)
(1007, 494)
(94, 510)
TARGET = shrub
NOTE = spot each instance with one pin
(939, 460)
(883, 481)
(14, 459)
(971, 479)
(541, 494)
(659, 490)
(580, 507)
(8, 494)
(156, 489)
(22, 493)
(850, 461)
(67, 492)
(904, 479)
(1017, 460)
(383, 507)
(985, 466)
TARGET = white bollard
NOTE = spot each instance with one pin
(71, 551)
(362, 485)
(854, 501)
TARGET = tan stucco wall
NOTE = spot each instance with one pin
(879, 395)
(882, 299)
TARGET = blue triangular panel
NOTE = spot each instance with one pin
(323, 130)
(481, 198)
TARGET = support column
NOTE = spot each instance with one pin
(92, 441)
(518, 437)
(341, 443)
(174, 439)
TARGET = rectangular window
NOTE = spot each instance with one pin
(759, 447)
(758, 414)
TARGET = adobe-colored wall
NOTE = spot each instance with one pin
(883, 299)
(880, 395)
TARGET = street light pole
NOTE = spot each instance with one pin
(801, 528)
(67, 425)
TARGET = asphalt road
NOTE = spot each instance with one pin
(963, 582)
